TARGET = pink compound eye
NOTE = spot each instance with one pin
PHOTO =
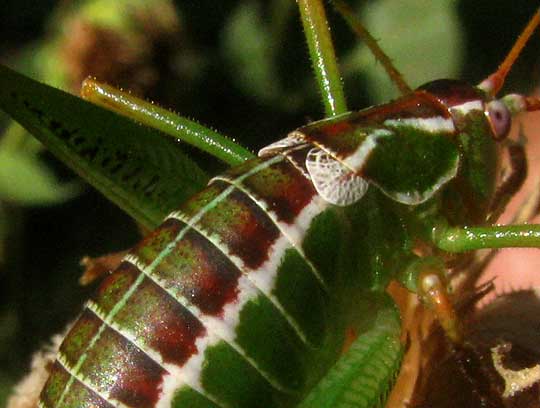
(500, 119)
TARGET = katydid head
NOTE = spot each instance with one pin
(482, 121)
(499, 112)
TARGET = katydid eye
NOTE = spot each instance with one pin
(499, 118)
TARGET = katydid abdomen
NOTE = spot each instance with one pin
(236, 300)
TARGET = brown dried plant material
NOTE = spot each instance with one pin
(99, 267)
(416, 322)
(130, 56)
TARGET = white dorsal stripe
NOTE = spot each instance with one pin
(466, 107)
(188, 375)
(164, 253)
(263, 281)
(357, 159)
(296, 231)
(211, 323)
(435, 124)
(223, 328)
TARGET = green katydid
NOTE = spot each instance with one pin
(308, 273)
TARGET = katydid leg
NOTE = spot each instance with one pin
(513, 182)
(427, 277)
(486, 237)
(166, 121)
(364, 375)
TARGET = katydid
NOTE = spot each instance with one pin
(244, 295)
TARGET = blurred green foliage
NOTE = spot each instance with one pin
(238, 66)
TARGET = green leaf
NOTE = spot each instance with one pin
(24, 179)
(251, 45)
(423, 39)
(250, 49)
(143, 172)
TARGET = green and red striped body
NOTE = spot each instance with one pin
(242, 297)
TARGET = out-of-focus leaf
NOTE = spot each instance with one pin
(143, 172)
(251, 45)
(24, 179)
(423, 39)
(250, 48)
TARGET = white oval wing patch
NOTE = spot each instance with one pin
(334, 182)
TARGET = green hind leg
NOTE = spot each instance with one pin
(364, 375)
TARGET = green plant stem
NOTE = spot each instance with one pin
(323, 56)
(166, 121)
